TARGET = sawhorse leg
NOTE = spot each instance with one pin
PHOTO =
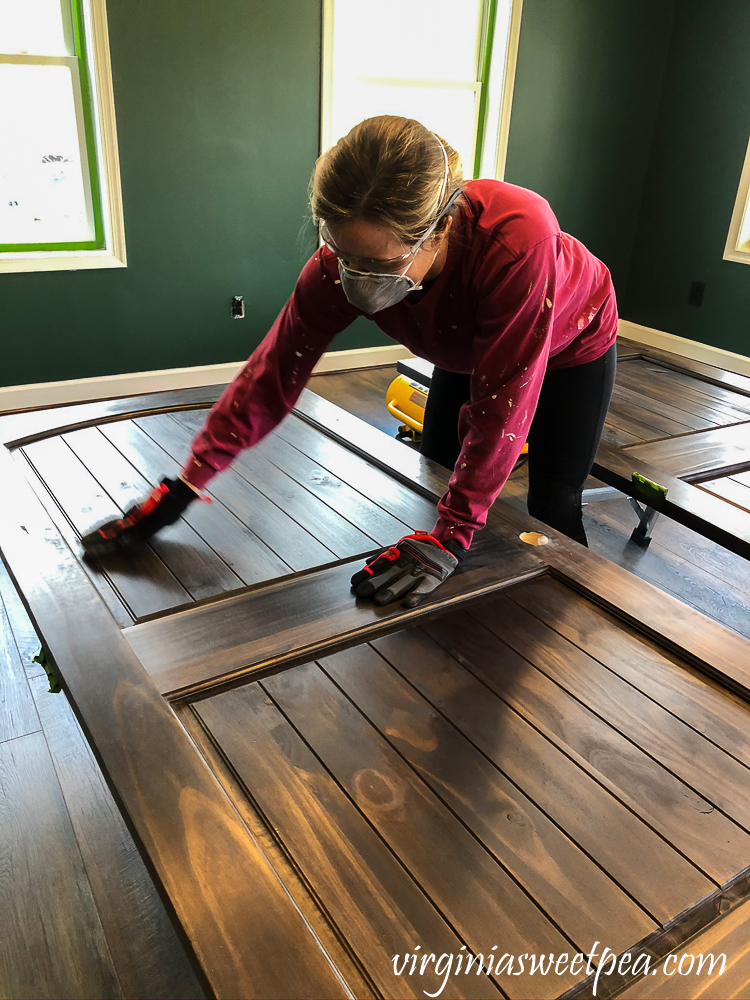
(646, 519)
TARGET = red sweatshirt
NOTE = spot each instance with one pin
(515, 297)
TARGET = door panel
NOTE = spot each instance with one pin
(547, 753)
(735, 489)
(677, 421)
(288, 620)
(276, 512)
(479, 774)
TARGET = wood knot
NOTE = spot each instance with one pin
(380, 791)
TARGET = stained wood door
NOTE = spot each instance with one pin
(685, 425)
(548, 753)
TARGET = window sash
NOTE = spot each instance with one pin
(87, 137)
(497, 39)
(738, 240)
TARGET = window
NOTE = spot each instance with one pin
(738, 241)
(60, 205)
(447, 63)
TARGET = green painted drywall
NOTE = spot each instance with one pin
(217, 109)
(586, 96)
(697, 157)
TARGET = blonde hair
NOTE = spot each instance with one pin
(388, 170)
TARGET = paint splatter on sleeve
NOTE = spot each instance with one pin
(270, 382)
(511, 355)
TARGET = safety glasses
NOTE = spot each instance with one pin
(387, 265)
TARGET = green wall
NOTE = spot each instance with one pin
(699, 148)
(585, 102)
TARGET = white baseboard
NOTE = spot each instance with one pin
(685, 348)
(23, 397)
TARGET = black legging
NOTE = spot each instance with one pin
(563, 436)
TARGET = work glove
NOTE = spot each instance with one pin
(163, 506)
(412, 568)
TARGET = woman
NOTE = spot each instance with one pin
(519, 318)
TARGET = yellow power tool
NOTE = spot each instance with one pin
(406, 397)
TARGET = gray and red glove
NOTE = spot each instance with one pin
(412, 568)
(163, 506)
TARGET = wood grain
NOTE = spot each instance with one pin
(404, 464)
(287, 485)
(688, 821)
(577, 895)
(197, 567)
(403, 503)
(712, 773)
(688, 392)
(52, 943)
(627, 348)
(658, 565)
(226, 898)
(26, 639)
(640, 377)
(729, 937)
(291, 621)
(341, 956)
(377, 908)
(283, 622)
(475, 894)
(363, 515)
(370, 513)
(729, 398)
(731, 489)
(289, 540)
(650, 407)
(715, 650)
(694, 508)
(628, 414)
(227, 534)
(25, 426)
(17, 713)
(706, 373)
(695, 551)
(706, 454)
(141, 578)
(628, 850)
(667, 391)
(365, 389)
(149, 958)
(115, 601)
(700, 702)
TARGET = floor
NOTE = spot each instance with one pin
(76, 876)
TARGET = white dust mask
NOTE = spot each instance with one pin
(372, 292)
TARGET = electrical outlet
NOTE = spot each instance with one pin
(238, 307)
(697, 288)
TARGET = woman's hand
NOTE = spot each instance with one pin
(412, 568)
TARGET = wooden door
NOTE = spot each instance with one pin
(686, 426)
(548, 753)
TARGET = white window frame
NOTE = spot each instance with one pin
(738, 240)
(509, 79)
(506, 102)
(100, 74)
